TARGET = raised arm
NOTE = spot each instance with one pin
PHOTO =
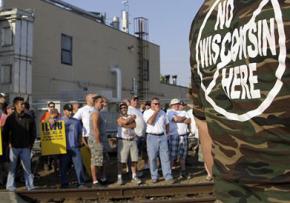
(152, 118)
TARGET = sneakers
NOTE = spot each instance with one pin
(11, 189)
(170, 181)
(31, 188)
(154, 181)
(137, 180)
(120, 181)
(209, 178)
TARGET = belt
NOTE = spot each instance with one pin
(160, 134)
(183, 135)
(127, 139)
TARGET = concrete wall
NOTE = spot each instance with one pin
(96, 48)
(16, 28)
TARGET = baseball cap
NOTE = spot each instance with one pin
(123, 104)
(174, 101)
(68, 107)
(2, 94)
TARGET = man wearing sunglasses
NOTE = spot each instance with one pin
(157, 145)
(127, 143)
(45, 117)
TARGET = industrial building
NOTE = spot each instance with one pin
(51, 50)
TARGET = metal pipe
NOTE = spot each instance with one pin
(116, 69)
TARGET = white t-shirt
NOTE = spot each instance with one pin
(140, 123)
(177, 128)
(84, 115)
(159, 125)
(182, 128)
(193, 127)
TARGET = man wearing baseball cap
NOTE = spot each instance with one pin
(73, 132)
(127, 143)
(178, 134)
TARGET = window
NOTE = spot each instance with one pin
(6, 37)
(5, 74)
(66, 49)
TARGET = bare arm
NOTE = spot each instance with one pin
(126, 123)
(96, 126)
(152, 119)
(187, 121)
(206, 144)
(179, 119)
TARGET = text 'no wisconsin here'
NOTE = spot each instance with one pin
(256, 38)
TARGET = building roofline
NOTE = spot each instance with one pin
(86, 14)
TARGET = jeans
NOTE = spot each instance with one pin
(25, 157)
(158, 145)
(73, 155)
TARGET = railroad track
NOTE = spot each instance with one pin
(183, 193)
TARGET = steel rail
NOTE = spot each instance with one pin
(202, 192)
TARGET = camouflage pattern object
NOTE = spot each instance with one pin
(241, 86)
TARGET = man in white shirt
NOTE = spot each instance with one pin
(134, 109)
(178, 134)
(83, 114)
(157, 127)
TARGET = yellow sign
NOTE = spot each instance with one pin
(52, 138)
(1, 152)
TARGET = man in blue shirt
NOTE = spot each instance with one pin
(73, 130)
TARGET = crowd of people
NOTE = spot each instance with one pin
(159, 136)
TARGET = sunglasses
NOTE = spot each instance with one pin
(157, 104)
(51, 107)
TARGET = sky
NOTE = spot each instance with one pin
(169, 25)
